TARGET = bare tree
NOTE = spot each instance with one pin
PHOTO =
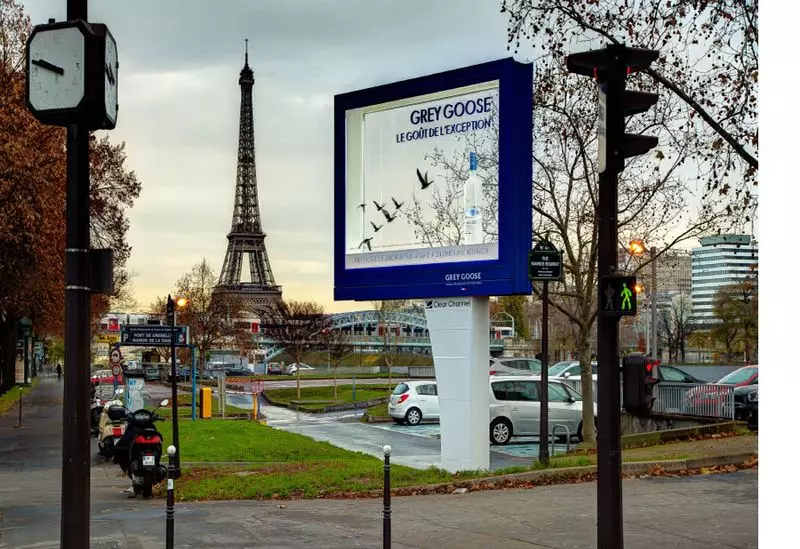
(391, 338)
(676, 323)
(708, 69)
(207, 315)
(297, 326)
(339, 348)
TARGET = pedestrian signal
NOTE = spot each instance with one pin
(617, 296)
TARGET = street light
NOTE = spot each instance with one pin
(637, 247)
(180, 302)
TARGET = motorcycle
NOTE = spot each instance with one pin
(111, 425)
(139, 452)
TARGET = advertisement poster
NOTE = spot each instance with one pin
(421, 188)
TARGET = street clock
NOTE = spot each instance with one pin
(72, 71)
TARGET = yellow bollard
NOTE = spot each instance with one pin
(255, 407)
(205, 402)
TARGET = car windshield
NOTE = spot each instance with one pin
(400, 389)
(738, 376)
(559, 367)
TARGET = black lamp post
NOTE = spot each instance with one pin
(171, 320)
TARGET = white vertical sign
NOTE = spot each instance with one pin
(601, 129)
(459, 331)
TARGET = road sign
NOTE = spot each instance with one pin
(256, 387)
(617, 296)
(116, 370)
(107, 338)
(153, 336)
(545, 262)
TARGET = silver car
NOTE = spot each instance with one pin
(514, 408)
(512, 365)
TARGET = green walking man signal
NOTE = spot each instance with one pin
(617, 297)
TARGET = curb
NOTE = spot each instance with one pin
(553, 476)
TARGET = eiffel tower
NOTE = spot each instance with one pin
(246, 236)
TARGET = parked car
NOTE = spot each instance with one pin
(151, 373)
(671, 374)
(274, 368)
(236, 371)
(712, 399)
(182, 373)
(514, 365)
(569, 369)
(104, 376)
(291, 369)
(745, 402)
(411, 401)
(514, 408)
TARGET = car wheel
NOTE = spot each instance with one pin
(413, 416)
(500, 431)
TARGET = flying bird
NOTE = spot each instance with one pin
(367, 242)
(375, 227)
(397, 204)
(389, 218)
(424, 180)
(379, 206)
(362, 206)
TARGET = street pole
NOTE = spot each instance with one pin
(76, 452)
(609, 456)
(171, 315)
(654, 306)
(194, 382)
(544, 457)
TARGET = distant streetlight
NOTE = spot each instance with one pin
(637, 247)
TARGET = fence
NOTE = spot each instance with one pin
(695, 399)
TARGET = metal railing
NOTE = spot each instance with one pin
(695, 399)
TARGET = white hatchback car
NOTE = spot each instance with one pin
(411, 401)
(514, 408)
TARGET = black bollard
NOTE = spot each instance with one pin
(387, 498)
(20, 408)
(171, 498)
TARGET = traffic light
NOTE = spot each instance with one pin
(610, 67)
(638, 380)
(617, 296)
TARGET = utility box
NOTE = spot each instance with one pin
(205, 403)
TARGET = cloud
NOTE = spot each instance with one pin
(179, 114)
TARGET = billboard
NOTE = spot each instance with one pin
(433, 185)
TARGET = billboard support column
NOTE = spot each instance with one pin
(459, 331)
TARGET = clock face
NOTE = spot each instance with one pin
(111, 72)
(56, 68)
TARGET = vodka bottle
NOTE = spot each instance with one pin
(473, 199)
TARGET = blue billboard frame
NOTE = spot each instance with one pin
(506, 275)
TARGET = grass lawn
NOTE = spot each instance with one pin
(342, 378)
(379, 410)
(356, 359)
(278, 464)
(293, 465)
(316, 398)
(10, 399)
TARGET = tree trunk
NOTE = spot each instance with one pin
(587, 386)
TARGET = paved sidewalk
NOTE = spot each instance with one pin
(707, 511)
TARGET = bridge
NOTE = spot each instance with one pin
(366, 331)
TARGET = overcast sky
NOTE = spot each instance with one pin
(179, 114)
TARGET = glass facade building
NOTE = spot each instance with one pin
(720, 261)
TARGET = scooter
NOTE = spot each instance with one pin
(111, 425)
(95, 411)
(139, 452)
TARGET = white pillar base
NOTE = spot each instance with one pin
(459, 332)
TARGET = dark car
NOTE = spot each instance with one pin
(712, 399)
(745, 403)
(238, 372)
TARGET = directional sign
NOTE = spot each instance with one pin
(146, 335)
(545, 263)
(617, 296)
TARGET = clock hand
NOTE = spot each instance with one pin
(47, 65)
(110, 74)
